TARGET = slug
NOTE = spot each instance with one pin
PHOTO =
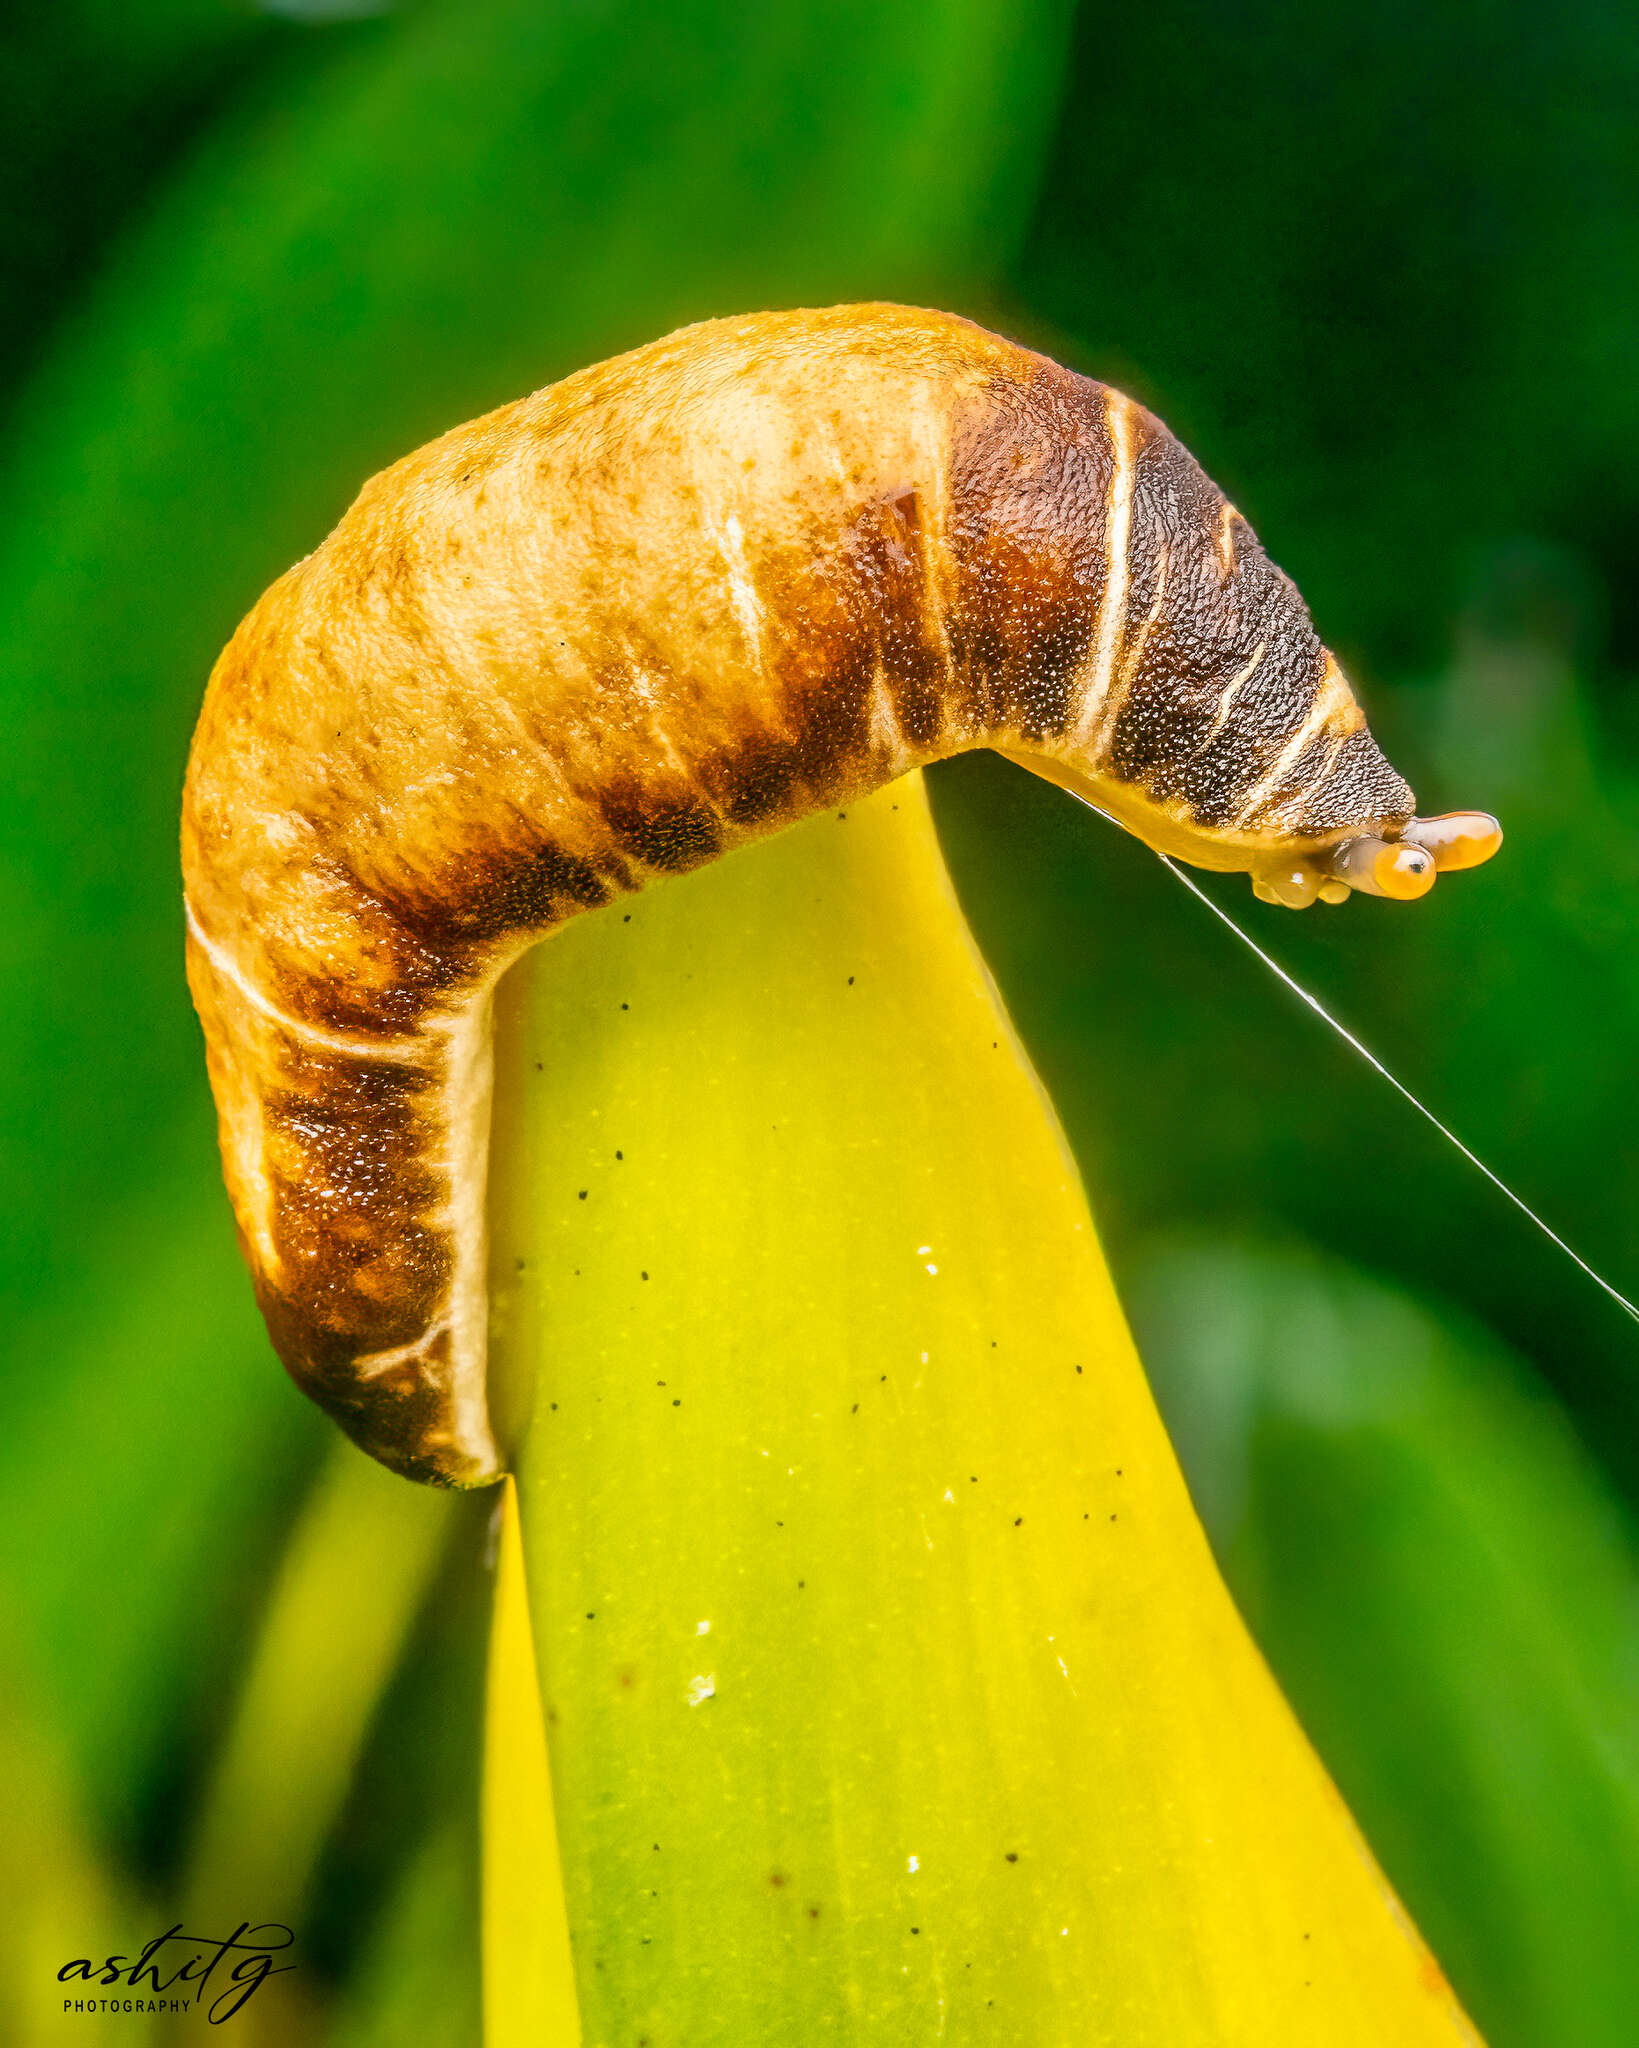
(602, 635)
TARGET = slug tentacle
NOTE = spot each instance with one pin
(604, 635)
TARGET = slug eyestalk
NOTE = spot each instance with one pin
(657, 611)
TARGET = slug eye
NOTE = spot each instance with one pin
(1405, 868)
(1381, 867)
(1458, 839)
(1402, 869)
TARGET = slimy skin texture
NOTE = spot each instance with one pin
(661, 609)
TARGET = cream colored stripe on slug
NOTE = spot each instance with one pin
(349, 1045)
(1333, 700)
(1232, 689)
(467, 1094)
(1096, 685)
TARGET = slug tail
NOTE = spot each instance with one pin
(356, 1172)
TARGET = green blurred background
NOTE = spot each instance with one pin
(1380, 270)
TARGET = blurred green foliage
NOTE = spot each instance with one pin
(1447, 1591)
(1381, 271)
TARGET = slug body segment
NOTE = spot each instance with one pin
(645, 616)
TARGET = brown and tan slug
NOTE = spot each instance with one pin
(605, 634)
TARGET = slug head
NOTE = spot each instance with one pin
(1210, 720)
(1383, 856)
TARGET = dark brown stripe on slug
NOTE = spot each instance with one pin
(670, 828)
(1214, 773)
(528, 882)
(1220, 672)
(363, 1249)
(755, 781)
(1029, 486)
(1240, 628)
(1360, 790)
(898, 615)
(398, 1413)
(404, 976)
(847, 617)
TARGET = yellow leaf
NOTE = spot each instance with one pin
(891, 1692)
(529, 1991)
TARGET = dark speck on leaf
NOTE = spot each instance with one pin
(625, 1006)
(855, 1409)
(620, 1155)
(850, 981)
(591, 1617)
(583, 1194)
(1012, 1856)
(1018, 1521)
(813, 1912)
(643, 1276)
(677, 1404)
